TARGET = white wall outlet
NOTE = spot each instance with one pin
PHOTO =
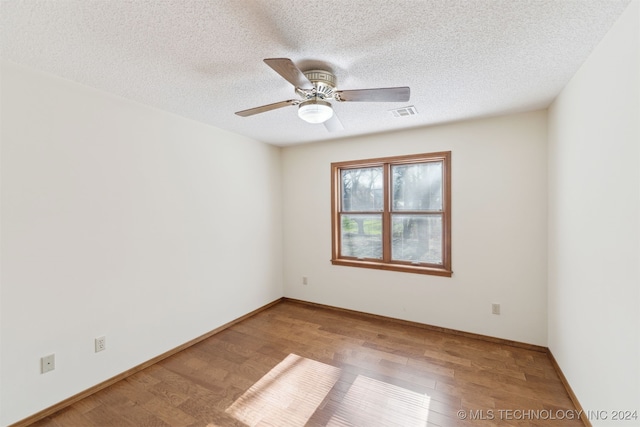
(47, 363)
(101, 344)
(495, 308)
(304, 280)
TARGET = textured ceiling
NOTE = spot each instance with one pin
(203, 59)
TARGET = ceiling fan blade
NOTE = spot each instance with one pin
(334, 123)
(388, 94)
(268, 107)
(287, 69)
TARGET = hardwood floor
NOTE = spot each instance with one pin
(295, 363)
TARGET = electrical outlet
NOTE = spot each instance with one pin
(101, 344)
(495, 308)
(304, 280)
(47, 363)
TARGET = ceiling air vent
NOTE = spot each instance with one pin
(404, 111)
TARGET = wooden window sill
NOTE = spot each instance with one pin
(417, 269)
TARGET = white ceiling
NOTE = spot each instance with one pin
(203, 59)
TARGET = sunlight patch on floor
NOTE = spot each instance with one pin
(287, 395)
(371, 402)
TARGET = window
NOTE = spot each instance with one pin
(393, 213)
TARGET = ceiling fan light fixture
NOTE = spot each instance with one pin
(315, 111)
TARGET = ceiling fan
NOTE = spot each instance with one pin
(316, 88)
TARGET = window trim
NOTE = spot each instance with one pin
(386, 263)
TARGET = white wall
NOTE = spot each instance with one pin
(594, 230)
(124, 221)
(498, 229)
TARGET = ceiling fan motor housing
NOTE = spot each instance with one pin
(324, 82)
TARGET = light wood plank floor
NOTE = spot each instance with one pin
(296, 364)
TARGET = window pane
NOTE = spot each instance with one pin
(417, 187)
(362, 189)
(417, 238)
(361, 236)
